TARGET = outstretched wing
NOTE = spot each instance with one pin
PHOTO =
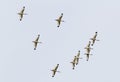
(60, 16)
(58, 23)
(21, 16)
(35, 44)
(37, 39)
(22, 11)
(53, 73)
(56, 67)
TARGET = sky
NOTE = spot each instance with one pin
(19, 62)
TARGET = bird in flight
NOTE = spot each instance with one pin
(94, 38)
(21, 13)
(78, 57)
(36, 42)
(88, 48)
(74, 62)
(55, 70)
(59, 20)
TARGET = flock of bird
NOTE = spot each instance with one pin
(76, 58)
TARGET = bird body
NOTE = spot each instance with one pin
(94, 38)
(73, 62)
(59, 20)
(21, 13)
(78, 57)
(88, 48)
(36, 42)
(55, 70)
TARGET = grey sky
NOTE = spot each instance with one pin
(20, 63)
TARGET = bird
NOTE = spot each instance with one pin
(36, 42)
(59, 20)
(55, 70)
(78, 57)
(94, 38)
(74, 62)
(21, 13)
(88, 48)
(87, 55)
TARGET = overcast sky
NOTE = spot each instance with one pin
(19, 62)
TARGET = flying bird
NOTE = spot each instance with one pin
(59, 20)
(88, 48)
(55, 70)
(78, 57)
(94, 38)
(36, 42)
(21, 13)
(74, 62)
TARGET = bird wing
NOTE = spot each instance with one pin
(56, 67)
(35, 44)
(21, 16)
(37, 39)
(22, 11)
(53, 73)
